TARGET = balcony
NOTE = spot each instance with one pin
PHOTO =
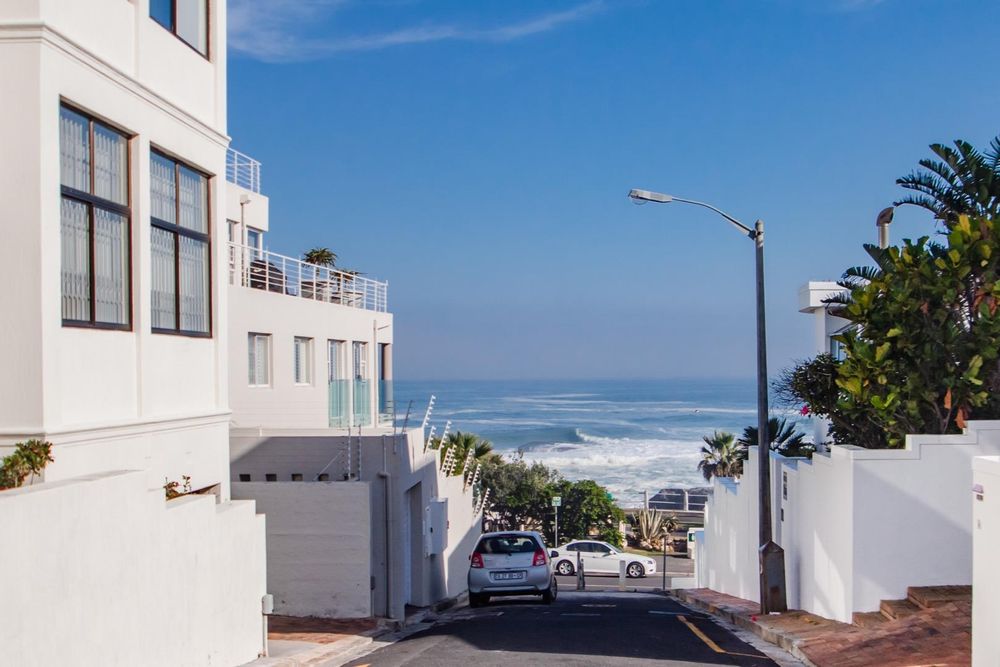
(242, 170)
(271, 272)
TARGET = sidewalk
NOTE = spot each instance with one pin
(938, 636)
(293, 641)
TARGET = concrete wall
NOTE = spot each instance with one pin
(404, 564)
(985, 576)
(859, 525)
(99, 570)
(318, 546)
(284, 404)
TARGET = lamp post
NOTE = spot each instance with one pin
(772, 557)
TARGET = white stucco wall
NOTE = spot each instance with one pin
(318, 546)
(859, 525)
(284, 404)
(101, 571)
(985, 575)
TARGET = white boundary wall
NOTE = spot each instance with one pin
(985, 575)
(318, 546)
(858, 526)
(101, 570)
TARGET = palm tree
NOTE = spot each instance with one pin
(463, 443)
(723, 457)
(962, 181)
(321, 257)
(783, 438)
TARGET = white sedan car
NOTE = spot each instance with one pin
(600, 558)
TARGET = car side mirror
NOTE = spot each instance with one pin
(553, 554)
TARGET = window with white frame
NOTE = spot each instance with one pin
(259, 361)
(95, 223)
(303, 360)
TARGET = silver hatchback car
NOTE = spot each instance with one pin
(510, 563)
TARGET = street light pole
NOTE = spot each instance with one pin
(771, 556)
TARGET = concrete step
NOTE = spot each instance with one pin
(897, 609)
(928, 597)
(869, 619)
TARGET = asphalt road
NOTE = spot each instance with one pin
(579, 628)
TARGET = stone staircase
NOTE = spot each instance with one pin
(918, 599)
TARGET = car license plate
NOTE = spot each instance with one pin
(506, 576)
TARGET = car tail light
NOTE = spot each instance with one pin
(477, 559)
(539, 558)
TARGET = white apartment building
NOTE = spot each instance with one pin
(360, 520)
(116, 344)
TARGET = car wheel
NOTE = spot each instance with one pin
(478, 600)
(549, 596)
(565, 568)
(635, 570)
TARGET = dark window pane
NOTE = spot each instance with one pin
(111, 268)
(193, 200)
(110, 165)
(163, 278)
(162, 11)
(194, 284)
(163, 188)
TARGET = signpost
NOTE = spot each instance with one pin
(556, 502)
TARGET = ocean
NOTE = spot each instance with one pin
(628, 435)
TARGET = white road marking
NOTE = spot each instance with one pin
(577, 614)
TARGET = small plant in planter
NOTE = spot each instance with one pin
(175, 489)
(27, 462)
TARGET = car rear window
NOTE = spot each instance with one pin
(507, 544)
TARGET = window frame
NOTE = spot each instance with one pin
(179, 230)
(251, 347)
(172, 28)
(92, 201)
(306, 361)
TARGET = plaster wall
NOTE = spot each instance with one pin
(985, 576)
(284, 404)
(858, 524)
(145, 582)
(318, 546)
(69, 384)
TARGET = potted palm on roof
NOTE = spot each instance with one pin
(324, 285)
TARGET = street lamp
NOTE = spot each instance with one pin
(772, 557)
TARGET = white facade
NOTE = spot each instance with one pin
(812, 296)
(985, 576)
(423, 524)
(857, 525)
(113, 353)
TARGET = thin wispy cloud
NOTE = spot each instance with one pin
(285, 30)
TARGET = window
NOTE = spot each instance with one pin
(296, 477)
(95, 223)
(303, 360)
(181, 264)
(323, 477)
(188, 19)
(244, 477)
(255, 241)
(784, 485)
(259, 360)
(270, 477)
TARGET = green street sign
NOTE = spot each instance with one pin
(556, 501)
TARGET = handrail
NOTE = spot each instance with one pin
(271, 272)
(242, 170)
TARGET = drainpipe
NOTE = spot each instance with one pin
(384, 475)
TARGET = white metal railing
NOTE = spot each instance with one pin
(271, 272)
(242, 170)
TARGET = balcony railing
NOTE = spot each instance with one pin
(271, 272)
(242, 170)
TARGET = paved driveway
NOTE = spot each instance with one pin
(580, 628)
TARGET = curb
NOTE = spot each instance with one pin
(779, 639)
(319, 655)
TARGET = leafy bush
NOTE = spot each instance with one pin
(28, 460)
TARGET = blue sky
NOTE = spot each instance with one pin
(478, 155)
